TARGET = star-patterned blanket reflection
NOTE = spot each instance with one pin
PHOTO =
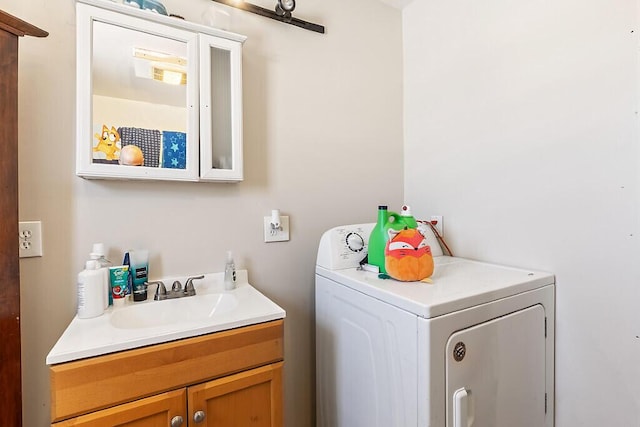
(174, 150)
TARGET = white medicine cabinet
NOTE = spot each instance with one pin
(158, 97)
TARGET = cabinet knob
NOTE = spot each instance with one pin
(198, 416)
(176, 421)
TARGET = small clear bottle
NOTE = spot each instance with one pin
(229, 272)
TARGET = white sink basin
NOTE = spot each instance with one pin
(138, 324)
(174, 311)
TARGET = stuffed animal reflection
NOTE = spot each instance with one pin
(407, 256)
(108, 142)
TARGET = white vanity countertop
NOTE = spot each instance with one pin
(139, 324)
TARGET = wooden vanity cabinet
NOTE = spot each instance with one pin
(229, 378)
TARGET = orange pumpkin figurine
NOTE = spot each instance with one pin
(407, 256)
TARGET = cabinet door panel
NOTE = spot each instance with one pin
(137, 84)
(247, 399)
(220, 109)
(155, 411)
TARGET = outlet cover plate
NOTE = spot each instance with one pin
(279, 234)
(30, 238)
(439, 224)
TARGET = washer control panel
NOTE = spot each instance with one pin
(344, 247)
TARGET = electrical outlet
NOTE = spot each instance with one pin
(30, 238)
(436, 220)
(280, 234)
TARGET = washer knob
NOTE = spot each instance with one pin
(355, 242)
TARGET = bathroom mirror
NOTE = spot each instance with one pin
(129, 65)
(139, 91)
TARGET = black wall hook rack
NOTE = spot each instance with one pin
(273, 15)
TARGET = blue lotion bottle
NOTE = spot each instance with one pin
(139, 266)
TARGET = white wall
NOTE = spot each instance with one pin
(323, 143)
(109, 111)
(521, 129)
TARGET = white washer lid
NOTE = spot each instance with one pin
(458, 283)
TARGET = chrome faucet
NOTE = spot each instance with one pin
(176, 289)
(189, 290)
(161, 290)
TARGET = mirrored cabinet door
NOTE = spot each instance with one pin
(137, 92)
(220, 109)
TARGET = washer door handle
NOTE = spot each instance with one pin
(461, 416)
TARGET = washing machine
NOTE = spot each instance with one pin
(474, 348)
